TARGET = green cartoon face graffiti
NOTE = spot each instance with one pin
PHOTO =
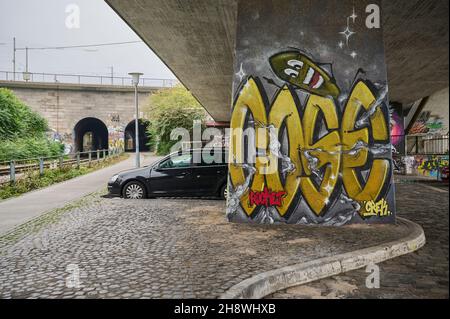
(300, 71)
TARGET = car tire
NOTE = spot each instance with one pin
(224, 192)
(134, 190)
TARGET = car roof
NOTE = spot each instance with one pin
(222, 149)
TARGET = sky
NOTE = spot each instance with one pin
(44, 23)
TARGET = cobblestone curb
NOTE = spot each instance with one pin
(269, 282)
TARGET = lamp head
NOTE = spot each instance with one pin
(26, 76)
(135, 77)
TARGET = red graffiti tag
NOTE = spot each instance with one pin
(266, 198)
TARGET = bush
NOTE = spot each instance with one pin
(17, 120)
(167, 110)
(22, 148)
(22, 131)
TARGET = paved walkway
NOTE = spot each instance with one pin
(159, 248)
(421, 274)
(18, 210)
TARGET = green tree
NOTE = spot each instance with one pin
(22, 131)
(17, 120)
(169, 109)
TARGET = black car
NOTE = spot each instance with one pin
(188, 174)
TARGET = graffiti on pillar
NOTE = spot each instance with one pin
(315, 166)
(309, 145)
(297, 69)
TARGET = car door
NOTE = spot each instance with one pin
(208, 175)
(172, 176)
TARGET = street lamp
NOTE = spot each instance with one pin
(135, 80)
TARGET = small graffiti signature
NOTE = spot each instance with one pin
(266, 198)
(372, 208)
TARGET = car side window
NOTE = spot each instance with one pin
(212, 159)
(177, 161)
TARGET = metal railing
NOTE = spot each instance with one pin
(83, 79)
(427, 145)
(10, 170)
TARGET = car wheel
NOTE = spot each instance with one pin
(134, 190)
(224, 192)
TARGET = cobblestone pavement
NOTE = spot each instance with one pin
(158, 248)
(422, 274)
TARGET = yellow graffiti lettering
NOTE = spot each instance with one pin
(333, 153)
(363, 98)
(250, 100)
(372, 208)
(284, 111)
(326, 150)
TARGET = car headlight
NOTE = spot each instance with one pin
(114, 178)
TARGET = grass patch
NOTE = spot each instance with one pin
(33, 180)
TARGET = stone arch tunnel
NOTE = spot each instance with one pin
(130, 136)
(90, 134)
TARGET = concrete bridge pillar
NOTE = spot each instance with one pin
(310, 117)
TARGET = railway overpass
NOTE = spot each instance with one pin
(86, 112)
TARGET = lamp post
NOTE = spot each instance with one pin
(135, 80)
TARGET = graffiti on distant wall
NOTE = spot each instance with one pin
(116, 135)
(397, 129)
(428, 123)
(428, 165)
(116, 138)
(64, 138)
(320, 152)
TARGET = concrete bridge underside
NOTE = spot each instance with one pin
(196, 40)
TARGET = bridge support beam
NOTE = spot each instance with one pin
(310, 118)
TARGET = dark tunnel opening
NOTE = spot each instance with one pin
(90, 134)
(130, 135)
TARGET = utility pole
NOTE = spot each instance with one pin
(26, 74)
(112, 74)
(14, 59)
(26, 59)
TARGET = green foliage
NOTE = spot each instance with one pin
(176, 97)
(17, 120)
(34, 181)
(32, 147)
(22, 131)
(169, 109)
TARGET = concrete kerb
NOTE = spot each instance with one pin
(269, 282)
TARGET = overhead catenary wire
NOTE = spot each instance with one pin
(78, 46)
